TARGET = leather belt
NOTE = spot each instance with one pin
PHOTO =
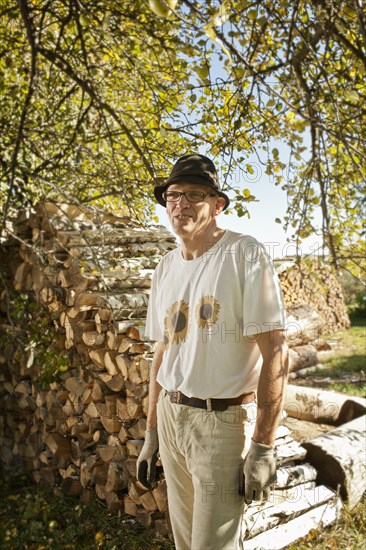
(214, 404)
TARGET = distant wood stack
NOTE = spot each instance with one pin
(313, 283)
(90, 274)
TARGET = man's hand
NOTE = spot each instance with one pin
(259, 472)
(146, 462)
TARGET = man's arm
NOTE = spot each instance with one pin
(260, 463)
(154, 386)
(271, 386)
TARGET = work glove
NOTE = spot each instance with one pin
(146, 462)
(259, 472)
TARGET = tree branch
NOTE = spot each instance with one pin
(66, 68)
(28, 23)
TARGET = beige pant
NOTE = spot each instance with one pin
(202, 454)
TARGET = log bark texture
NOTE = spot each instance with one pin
(322, 406)
(339, 457)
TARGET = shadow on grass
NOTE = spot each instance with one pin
(358, 318)
(35, 518)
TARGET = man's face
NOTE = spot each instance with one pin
(188, 218)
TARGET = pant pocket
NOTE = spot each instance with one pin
(232, 417)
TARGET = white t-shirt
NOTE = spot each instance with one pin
(206, 312)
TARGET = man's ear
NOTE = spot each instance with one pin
(220, 205)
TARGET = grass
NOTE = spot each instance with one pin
(345, 372)
(348, 533)
(35, 518)
(32, 518)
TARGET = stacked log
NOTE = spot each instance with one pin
(313, 283)
(311, 326)
(311, 478)
(90, 273)
(297, 504)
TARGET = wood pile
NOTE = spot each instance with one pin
(312, 283)
(75, 285)
(310, 328)
(312, 477)
(297, 504)
(90, 273)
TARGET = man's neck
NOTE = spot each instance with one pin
(195, 246)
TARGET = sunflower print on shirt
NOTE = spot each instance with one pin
(207, 311)
(176, 323)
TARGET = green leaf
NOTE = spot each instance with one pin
(202, 71)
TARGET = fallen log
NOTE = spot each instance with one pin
(301, 357)
(304, 373)
(289, 476)
(288, 520)
(321, 406)
(339, 457)
(303, 325)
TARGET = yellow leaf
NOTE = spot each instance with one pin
(211, 33)
(352, 96)
(99, 538)
(201, 70)
(162, 8)
(84, 20)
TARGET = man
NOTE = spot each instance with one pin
(216, 313)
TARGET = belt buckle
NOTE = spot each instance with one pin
(176, 397)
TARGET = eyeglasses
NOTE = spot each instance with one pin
(191, 196)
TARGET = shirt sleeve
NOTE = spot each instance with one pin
(153, 330)
(263, 308)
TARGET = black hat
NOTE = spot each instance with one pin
(192, 169)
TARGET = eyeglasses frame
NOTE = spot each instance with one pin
(181, 193)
